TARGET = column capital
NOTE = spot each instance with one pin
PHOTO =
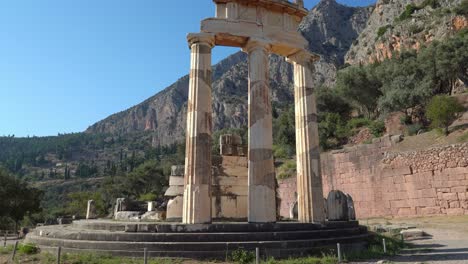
(254, 43)
(204, 38)
(303, 57)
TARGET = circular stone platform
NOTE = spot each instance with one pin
(207, 241)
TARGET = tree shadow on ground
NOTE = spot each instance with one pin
(431, 252)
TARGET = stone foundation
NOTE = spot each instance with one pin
(385, 184)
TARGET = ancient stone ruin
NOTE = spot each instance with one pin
(259, 28)
(242, 184)
(229, 185)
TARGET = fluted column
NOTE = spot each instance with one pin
(197, 183)
(261, 172)
(309, 180)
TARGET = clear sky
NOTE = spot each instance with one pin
(65, 64)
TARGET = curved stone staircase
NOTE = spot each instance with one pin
(215, 241)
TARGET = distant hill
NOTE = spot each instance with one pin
(330, 28)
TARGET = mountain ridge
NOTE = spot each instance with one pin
(164, 114)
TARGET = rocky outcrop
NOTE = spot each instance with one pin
(330, 28)
(387, 33)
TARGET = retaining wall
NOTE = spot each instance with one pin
(433, 181)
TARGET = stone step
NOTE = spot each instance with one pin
(76, 234)
(109, 225)
(265, 253)
(169, 248)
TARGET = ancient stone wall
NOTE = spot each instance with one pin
(427, 182)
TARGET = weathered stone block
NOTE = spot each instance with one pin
(131, 228)
(455, 211)
(176, 181)
(450, 196)
(127, 215)
(174, 208)
(173, 191)
(351, 209)
(337, 206)
(154, 216)
(91, 210)
(178, 170)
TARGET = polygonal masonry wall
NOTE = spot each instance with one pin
(259, 27)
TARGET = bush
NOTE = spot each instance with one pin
(377, 128)
(442, 110)
(405, 120)
(409, 10)
(242, 256)
(28, 249)
(287, 169)
(462, 9)
(382, 30)
(282, 151)
(147, 197)
(413, 129)
(357, 123)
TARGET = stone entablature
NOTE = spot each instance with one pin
(238, 21)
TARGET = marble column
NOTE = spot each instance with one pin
(197, 182)
(261, 172)
(309, 179)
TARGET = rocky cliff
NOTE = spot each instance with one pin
(397, 25)
(330, 28)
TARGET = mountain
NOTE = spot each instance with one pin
(330, 28)
(397, 25)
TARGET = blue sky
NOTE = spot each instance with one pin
(65, 64)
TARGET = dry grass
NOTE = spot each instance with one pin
(429, 139)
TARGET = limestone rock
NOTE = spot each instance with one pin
(174, 208)
(127, 215)
(91, 211)
(154, 216)
(396, 139)
(423, 27)
(337, 206)
(351, 209)
(293, 211)
(412, 233)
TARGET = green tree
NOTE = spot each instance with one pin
(17, 199)
(78, 203)
(361, 87)
(442, 110)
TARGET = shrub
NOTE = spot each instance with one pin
(442, 110)
(405, 120)
(409, 10)
(357, 123)
(148, 197)
(242, 256)
(382, 30)
(287, 169)
(377, 128)
(415, 29)
(28, 249)
(282, 151)
(462, 9)
(413, 129)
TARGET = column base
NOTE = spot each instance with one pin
(198, 195)
(262, 204)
